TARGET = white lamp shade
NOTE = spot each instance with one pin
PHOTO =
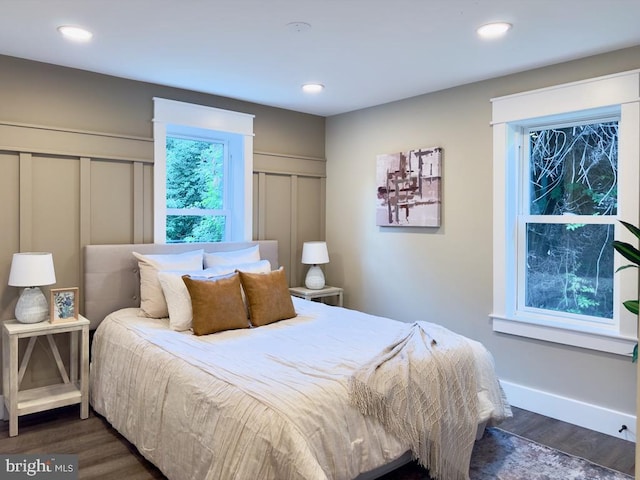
(314, 253)
(32, 269)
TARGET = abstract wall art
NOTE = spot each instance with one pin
(409, 188)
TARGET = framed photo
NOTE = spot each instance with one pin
(64, 304)
(408, 192)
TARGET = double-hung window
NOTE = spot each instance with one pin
(565, 172)
(202, 173)
(566, 219)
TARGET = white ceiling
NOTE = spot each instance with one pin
(366, 52)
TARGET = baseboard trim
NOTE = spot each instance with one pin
(576, 412)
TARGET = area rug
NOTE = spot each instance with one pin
(500, 455)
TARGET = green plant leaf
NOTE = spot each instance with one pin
(632, 306)
(626, 266)
(631, 253)
(628, 251)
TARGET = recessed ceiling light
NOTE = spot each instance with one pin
(75, 33)
(312, 87)
(494, 30)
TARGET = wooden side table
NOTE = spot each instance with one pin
(75, 385)
(309, 294)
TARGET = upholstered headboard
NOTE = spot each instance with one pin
(112, 280)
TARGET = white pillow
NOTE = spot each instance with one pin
(233, 257)
(178, 298)
(152, 302)
(261, 266)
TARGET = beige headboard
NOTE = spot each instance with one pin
(112, 281)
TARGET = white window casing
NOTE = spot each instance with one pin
(170, 116)
(618, 95)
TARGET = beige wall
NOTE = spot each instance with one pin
(445, 274)
(76, 168)
(61, 190)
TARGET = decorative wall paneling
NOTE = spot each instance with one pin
(63, 189)
(19, 137)
(289, 205)
(55, 196)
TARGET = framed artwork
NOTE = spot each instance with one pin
(64, 304)
(409, 188)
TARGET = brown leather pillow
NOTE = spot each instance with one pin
(267, 296)
(217, 304)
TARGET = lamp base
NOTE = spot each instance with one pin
(32, 306)
(315, 278)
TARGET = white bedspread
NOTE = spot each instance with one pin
(264, 403)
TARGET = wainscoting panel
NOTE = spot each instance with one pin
(20, 137)
(289, 206)
(9, 226)
(277, 216)
(112, 202)
(58, 201)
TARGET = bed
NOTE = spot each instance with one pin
(278, 401)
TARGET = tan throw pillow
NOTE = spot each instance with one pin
(268, 296)
(217, 305)
(152, 301)
(177, 295)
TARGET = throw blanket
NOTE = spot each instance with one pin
(423, 389)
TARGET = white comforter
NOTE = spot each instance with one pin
(264, 403)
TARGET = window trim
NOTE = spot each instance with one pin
(169, 114)
(597, 97)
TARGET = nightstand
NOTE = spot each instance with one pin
(309, 294)
(75, 385)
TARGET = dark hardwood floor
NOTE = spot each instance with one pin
(596, 447)
(104, 454)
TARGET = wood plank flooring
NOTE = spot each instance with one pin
(104, 454)
(597, 447)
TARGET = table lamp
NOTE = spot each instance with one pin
(32, 270)
(314, 254)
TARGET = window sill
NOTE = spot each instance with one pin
(601, 340)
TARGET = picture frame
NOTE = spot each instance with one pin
(64, 303)
(409, 188)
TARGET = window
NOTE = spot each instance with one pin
(566, 220)
(202, 173)
(197, 204)
(565, 171)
